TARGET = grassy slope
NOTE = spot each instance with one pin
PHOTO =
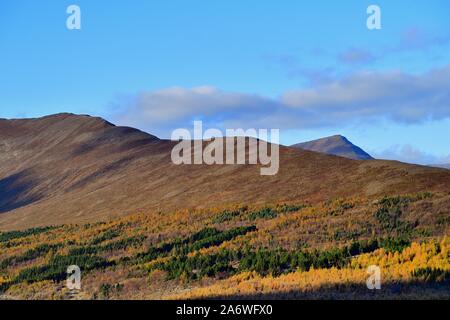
(66, 169)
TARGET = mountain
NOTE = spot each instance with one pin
(336, 145)
(445, 166)
(69, 168)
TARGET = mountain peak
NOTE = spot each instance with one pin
(336, 137)
(68, 130)
(337, 145)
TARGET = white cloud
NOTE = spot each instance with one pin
(396, 95)
(360, 97)
(409, 154)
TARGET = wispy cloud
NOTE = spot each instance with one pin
(358, 98)
(339, 63)
(294, 69)
(416, 38)
(407, 153)
(356, 56)
(164, 110)
(396, 95)
(412, 39)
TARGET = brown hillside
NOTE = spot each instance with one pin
(68, 169)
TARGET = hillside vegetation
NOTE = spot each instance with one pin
(275, 250)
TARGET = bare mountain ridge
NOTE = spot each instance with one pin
(445, 166)
(73, 169)
(335, 145)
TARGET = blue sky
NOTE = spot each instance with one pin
(311, 70)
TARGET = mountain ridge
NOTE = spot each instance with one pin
(78, 169)
(443, 165)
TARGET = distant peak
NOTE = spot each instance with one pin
(337, 145)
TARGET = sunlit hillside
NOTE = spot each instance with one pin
(284, 250)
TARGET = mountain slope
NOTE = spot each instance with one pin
(445, 166)
(335, 145)
(71, 169)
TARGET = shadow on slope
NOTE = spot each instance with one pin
(15, 191)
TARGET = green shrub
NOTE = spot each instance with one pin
(389, 216)
(7, 236)
(265, 213)
(227, 216)
(443, 220)
(112, 246)
(28, 255)
(290, 208)
(218, 238)
(395, 245)
(56, 269)
(263, 261)
(205, 238)
(431, 274)
(107, 235)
